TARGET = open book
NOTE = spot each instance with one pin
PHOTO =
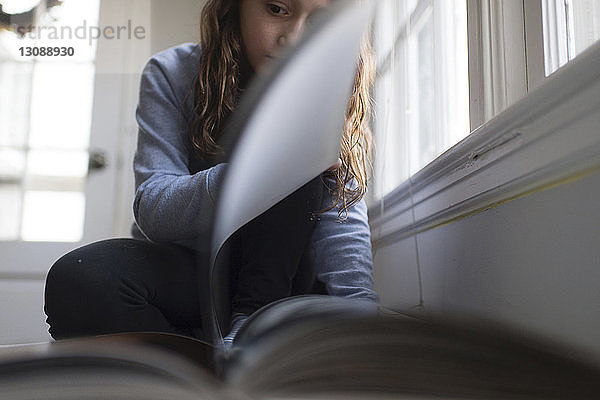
(325, 352)
(306, 346)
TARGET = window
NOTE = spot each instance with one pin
(569, 26)
(45, 119)
(438, 80)
(422, 92)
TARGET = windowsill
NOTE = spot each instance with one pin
(548, 137)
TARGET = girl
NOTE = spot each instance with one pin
(187, 94)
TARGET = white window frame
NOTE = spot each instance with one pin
(498, 73)
(506, 59)
(398, 96)
(513, 105)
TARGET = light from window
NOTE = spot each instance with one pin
(45, 120)
(18, 6)
(570, 26)
(422, 89)
(53, 216)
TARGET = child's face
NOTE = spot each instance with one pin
(266, 25)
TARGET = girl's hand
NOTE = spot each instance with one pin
(336, 165)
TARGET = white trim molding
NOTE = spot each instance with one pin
(534, 43)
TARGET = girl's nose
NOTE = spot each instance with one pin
(291, 35)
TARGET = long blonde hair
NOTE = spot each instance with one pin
(223, 75)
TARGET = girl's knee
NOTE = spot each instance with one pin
(62, 275)
(74, 271)
(80, 287)
(79, 277)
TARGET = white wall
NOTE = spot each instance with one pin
(506, 225)
(533, 262)
(175, 22)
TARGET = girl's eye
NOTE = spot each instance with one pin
(275, 9)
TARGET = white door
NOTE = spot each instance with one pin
(67, 130)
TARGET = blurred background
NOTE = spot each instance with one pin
(68, 134)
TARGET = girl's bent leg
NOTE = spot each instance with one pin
(123, 285)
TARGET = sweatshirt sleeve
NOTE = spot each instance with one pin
(342, 252)
(171, 204)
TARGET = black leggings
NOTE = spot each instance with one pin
(129, 285)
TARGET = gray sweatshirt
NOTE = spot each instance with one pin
(174, 198)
